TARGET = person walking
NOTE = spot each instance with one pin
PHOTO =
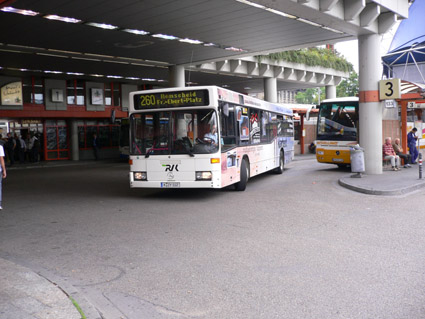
(2, 172)
(411, 143)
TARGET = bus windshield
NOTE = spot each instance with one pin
(174, 132)
(337, 121)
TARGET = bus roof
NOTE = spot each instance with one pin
(342, 99)
(226, 96)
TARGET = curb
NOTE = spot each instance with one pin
(371, 191)
(61, 283)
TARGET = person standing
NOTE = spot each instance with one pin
(22, 149)
(33, 148)
(10, 148)
(2, 172)
(96, 146)
(411, 143)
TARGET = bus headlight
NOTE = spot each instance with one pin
(140, 176)
(320, 153)
(203, 176)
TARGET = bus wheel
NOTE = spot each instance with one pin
(281, 167)
(241, 185)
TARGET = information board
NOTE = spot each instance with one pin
(171, 99)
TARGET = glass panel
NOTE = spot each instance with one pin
(254, 131)
(288, 126)
(51, 135)
(178, 132)
(63, 154)
(104, 138)
(81, 137)
(27, 90)
(117, 94)
(38, 91)
(63, 138)
(115, 135)
(80, 92)
(338, 122)
(90, 130)
(70, 92)
(228, 129)
(265, 127)
(108, 94)
(52, 155)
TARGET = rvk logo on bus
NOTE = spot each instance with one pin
(170, 168)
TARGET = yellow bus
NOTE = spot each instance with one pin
(337, 125)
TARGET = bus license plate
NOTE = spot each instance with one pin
(170, 185)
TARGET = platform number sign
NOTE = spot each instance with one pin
(389, 89)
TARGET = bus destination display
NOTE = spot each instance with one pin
(171, 99)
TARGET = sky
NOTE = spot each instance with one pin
(349, 49)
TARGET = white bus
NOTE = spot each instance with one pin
(205, 137)
(337, 125)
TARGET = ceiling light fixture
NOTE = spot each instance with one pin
(75, 73)
(102, 25)
(137, 32)
(191, 41)
(309, 22)
(235, 49)
(281, 13)
(333, 30)
(211, 45)
(252, 4)
(53, 72)
(20, 11)
(62, 19)
(165, 36)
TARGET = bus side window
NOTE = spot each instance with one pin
(228, 127)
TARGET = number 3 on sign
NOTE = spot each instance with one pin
(389, 89)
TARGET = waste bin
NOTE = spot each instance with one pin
(357, 159)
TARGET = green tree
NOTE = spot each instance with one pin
(349, 86)
(310, 96)
(312, 57)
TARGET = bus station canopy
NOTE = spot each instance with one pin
(140, 40)
(406, 56)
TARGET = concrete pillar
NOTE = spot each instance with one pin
(330, 91)
(176, 76)
(270, 90)
(370, 108)
(75, 150)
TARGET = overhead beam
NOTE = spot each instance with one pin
(386, 21)
(353, 8)
(369, 14)
(327, 5)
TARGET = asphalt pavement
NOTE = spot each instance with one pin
(26, 293)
